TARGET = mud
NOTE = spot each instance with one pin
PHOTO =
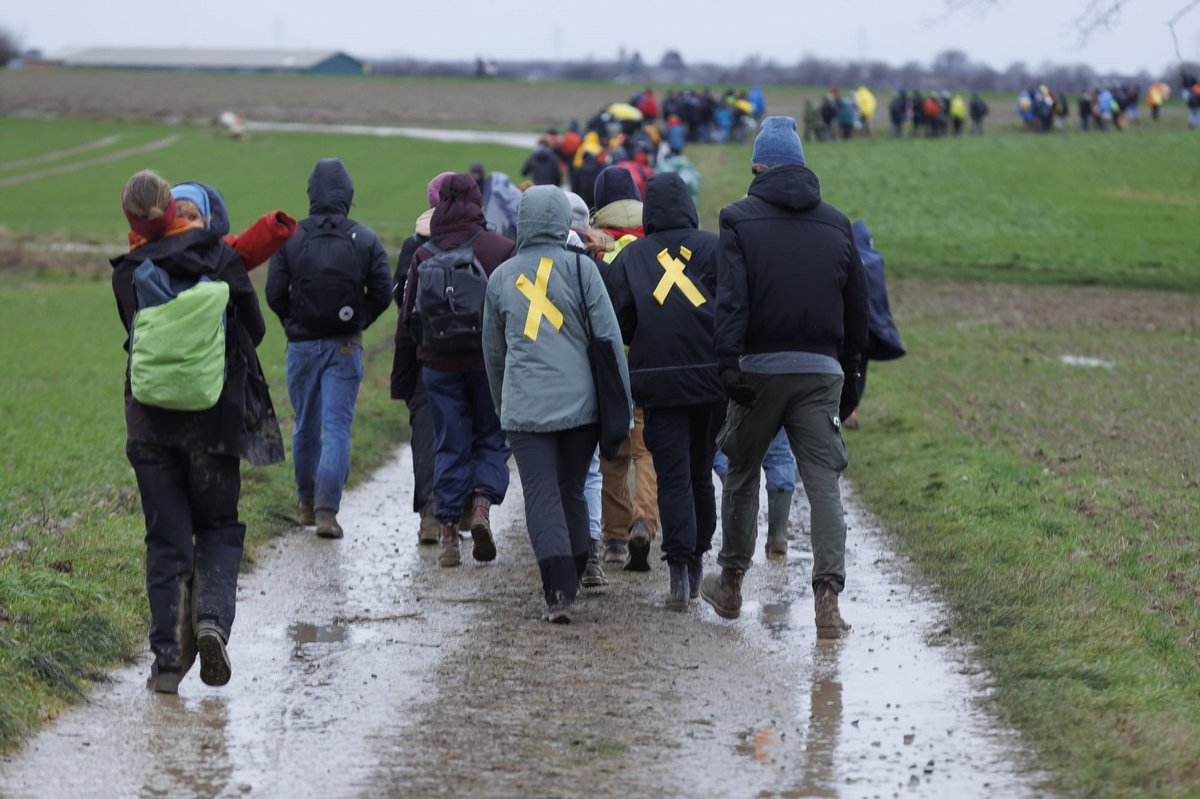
(363, 669)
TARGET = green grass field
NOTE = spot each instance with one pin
(1053, 505)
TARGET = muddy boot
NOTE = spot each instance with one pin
(593, 575)
(481, 530)
(558, 610)
(678, 598)
(830, 623)
(616, 552)
(695, 574)
(308, 516)
(639, 548)
(430, 528)
(724, 592)
(468, 513)
(448, 539)
(327, 524)
(779, 506)
(164, 680)
(214, 660)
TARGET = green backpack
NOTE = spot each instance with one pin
(177, 340)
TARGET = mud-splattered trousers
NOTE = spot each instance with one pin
(193, 541)
(620, 508)
(553, 469)
(682, 440)
(806, 406)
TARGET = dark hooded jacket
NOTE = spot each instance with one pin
(884, 342)
(242, 423)
(459, 215)
(330, 191)
(543, 167)
(789, 278)
(672, 361)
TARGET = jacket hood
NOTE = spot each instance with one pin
(621, 215)
(460, 206)
(218, 215)
(792, 187)
(189, 254)
(613, 184)
(862, 236)
(330, 189)
(422, 226)
(668, 205)
(543, 218)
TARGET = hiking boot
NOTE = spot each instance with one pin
(724, 592)
(593, 574)
(695, 574)
(830, 623)
(639, 548)
(163, 680)
(464, 520)
(429, 530)
(779, 506)
(678, 598)
(449, 555)
(327, 524)
(616, 552)
(214, 660)
(558, 611)
(481, 530)
(308, 516)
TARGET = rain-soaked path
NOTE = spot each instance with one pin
(362, 669)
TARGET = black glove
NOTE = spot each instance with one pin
(737, 386)
(850, 395)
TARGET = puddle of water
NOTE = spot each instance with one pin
(1090, 363)
(318, 633)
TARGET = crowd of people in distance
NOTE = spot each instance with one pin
(844, 115)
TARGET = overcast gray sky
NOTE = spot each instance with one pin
(896, 31)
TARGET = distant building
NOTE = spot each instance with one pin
(198, 59)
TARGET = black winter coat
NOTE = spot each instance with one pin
(789, 277)
(330, 192)
(242, 423)
(672, 361)
(543, 167)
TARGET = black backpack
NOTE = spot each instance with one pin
(327, 280)
(448, 308)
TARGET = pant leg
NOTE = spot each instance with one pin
(706, 421)
(537, 463)
(591, 491)
(304, 366)
(452, 442)
(575, 451)
(720, 464)
(340, 380)
(489, 449)
(816, 439)
(744, 439)
(668, 436)
(645, 483)
(420, 422)
(780, 466)
(214, 487)
(162, 480)
(616, 505)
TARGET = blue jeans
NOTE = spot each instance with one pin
(591, 492)
(779, 465)
(323, 378)
(470, 453)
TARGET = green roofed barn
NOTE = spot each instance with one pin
(196, 59)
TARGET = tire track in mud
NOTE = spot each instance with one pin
(58, 155)
(66, 169)
(363, 669)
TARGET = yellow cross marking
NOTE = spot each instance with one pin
(539, 303)
(674, 276)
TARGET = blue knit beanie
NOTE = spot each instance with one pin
(777, 143)
(195, 194)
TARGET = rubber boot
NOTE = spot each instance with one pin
(830, 623)
(449, 555)
(695, 574)
(678, 598)
(779, 506)
(724, 592)
(481, 530)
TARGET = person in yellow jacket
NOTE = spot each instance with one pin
(958, 113)
(591, 144)
(866, 107)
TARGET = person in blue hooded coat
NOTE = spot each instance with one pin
(883, 339)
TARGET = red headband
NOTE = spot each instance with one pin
(152, 229)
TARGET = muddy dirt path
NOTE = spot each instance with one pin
(362, 669)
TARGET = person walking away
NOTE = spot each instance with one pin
(979, 111)
(663, 288)
(195, 401)
(867, 104)
(786, 333)
(1085, 110)
(500, 199)
(543, 166)
(470, 466)
(898, 112)
(406, 379)
(629, 521)
(540, 305)
(958, 113)
(327, 285)
(1194, 106)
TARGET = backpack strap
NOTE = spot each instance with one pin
(436, 250)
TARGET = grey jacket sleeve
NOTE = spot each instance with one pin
(604, 318)
(495, 345)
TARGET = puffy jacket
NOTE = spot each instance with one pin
(789, 278)
(456, 218)
(672, 360)
(330, 191)
(538, 373)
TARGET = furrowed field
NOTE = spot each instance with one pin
(1055, 505)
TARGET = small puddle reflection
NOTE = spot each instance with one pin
(775, 616)
(318, 633)
(759, 743)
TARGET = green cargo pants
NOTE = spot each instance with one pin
(806, 407)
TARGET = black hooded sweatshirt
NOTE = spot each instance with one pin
(330, 191)
(671, 357)
(789, 277)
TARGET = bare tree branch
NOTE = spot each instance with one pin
(1180, 14)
